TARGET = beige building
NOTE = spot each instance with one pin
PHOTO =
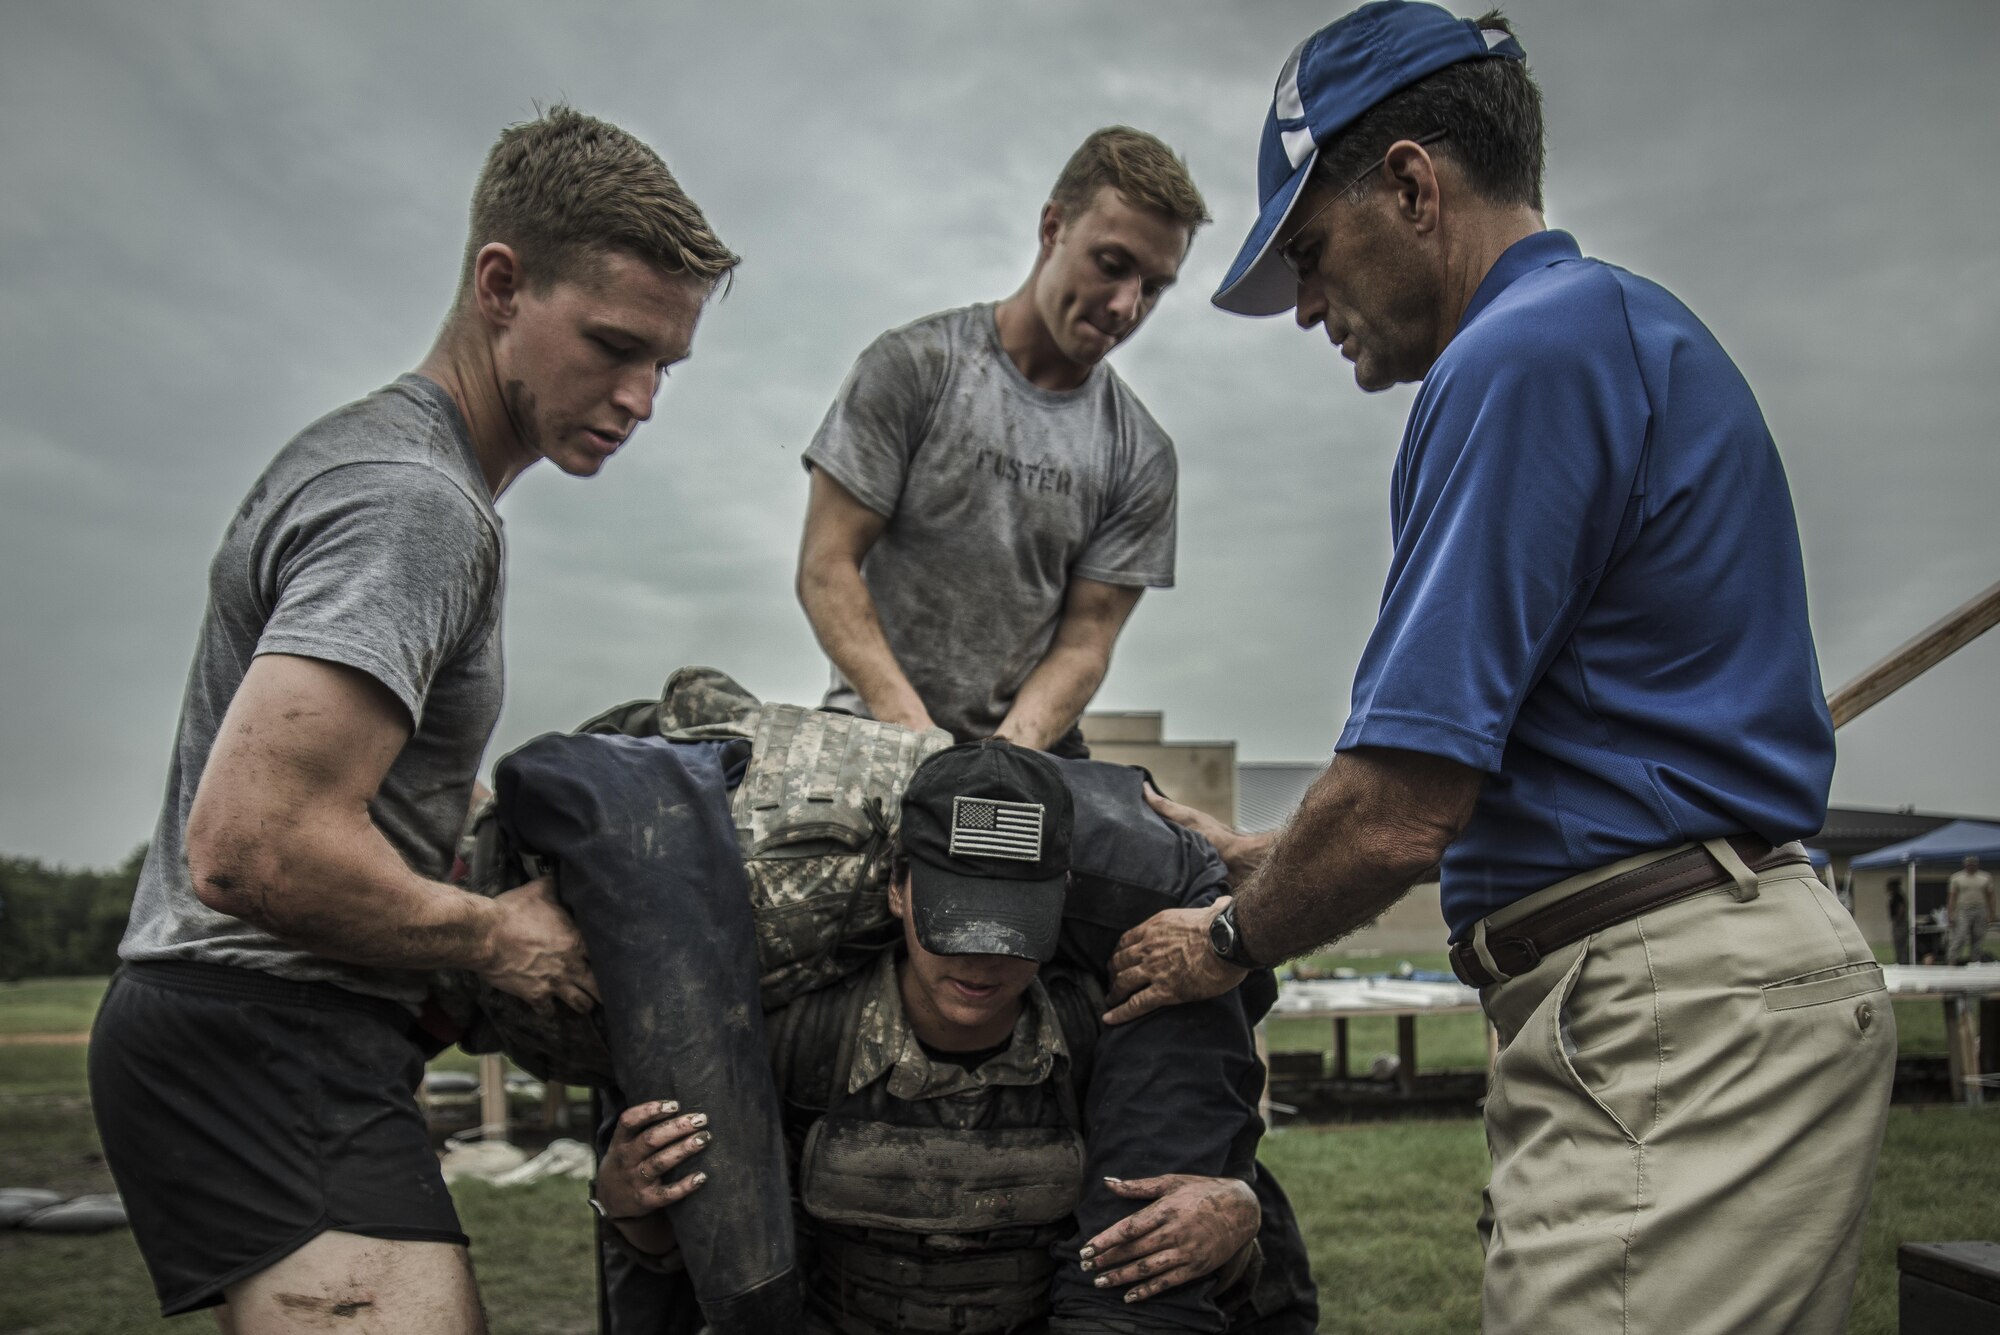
(1201, 774)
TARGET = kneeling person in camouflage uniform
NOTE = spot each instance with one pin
(935, 1103)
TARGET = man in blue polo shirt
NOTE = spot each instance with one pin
(1591, 694)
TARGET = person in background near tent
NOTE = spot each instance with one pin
(254, 1064)
(1969, 908)
(1899, 920)
(1591, 692)
(988, 498)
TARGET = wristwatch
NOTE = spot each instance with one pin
(1226, 940)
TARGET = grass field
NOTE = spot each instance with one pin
(1388, 1209)
(49, 1005)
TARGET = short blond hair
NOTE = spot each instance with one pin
(1139, 166)
(563, 189)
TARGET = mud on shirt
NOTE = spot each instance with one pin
(997, 493)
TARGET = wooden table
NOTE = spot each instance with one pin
(1960, 988)
(1403, 999)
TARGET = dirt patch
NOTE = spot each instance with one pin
(311, 1309)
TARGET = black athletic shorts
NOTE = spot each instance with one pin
(242, 1115)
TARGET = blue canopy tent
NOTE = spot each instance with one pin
(1951, 844)
(1955, 842)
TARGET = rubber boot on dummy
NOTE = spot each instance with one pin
(646, 862)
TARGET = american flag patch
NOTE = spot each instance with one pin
(981, 828)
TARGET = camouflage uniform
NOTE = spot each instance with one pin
(930, 1196)
(815, 817)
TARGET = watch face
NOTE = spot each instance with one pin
(1222, 933)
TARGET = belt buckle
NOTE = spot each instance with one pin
(1499, 958)
(1531, 954)
(1463, 962)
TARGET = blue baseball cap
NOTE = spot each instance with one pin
(1328, 81)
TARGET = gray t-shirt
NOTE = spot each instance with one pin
(997, 494)
(1971, 887)
(370, 541)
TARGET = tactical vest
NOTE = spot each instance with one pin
(918, 1224)
(816, 816)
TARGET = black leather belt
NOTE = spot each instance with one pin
(1520, 946)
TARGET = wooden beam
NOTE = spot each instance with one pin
(555, 1107)
(493, 1097)
(1971, 620)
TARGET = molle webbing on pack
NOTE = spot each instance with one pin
(937, 1180)
(818, 780)
(816, 817)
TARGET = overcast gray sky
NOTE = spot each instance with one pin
(220, 220)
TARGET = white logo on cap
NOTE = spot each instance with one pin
(983, 828)
(1287, 104)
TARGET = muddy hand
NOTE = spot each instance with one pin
(1192, 1229)
(649, 1142)
(534, 952)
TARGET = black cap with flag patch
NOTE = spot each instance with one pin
(986, 826)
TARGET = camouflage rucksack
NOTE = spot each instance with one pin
(816, 817)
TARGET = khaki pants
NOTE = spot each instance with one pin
(1968, 930)
(1685, 1116)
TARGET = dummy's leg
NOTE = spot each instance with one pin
(1284, 1300)
(1173, 1092)
(647, 864)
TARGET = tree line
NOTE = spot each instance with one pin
(58, 921)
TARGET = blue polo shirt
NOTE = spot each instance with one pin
(1597, 595)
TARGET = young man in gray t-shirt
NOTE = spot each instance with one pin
(252, 1067)
(989, 499)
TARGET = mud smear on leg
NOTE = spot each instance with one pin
(322, 1311)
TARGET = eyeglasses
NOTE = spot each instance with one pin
(1289, 257)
